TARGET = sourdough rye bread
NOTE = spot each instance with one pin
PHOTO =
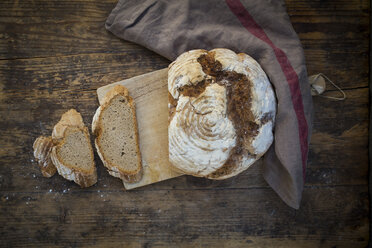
(115, 127)
(221, 113)
(72, 153)
(42, 149)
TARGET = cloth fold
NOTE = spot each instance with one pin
(259, 28)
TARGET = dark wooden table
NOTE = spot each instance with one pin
(55, 54)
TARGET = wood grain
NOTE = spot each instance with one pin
(55, 54)
(40, 29)
(230, 218)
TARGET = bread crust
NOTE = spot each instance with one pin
(246, 85)
(42, 148)
(114, 170)
(72, 120)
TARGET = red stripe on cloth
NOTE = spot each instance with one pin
(292, 78)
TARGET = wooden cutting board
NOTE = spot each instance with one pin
(150, 93)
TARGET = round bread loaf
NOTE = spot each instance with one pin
(221, 113)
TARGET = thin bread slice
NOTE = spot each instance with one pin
(42, 149)
(115, 127)
(73, 154)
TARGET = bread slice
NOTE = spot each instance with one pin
(115, 127)
(42, 149)
(73, 154)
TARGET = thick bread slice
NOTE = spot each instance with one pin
(42, 149)
(115, 127)
(73, 154)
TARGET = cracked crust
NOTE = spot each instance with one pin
(249, 102)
